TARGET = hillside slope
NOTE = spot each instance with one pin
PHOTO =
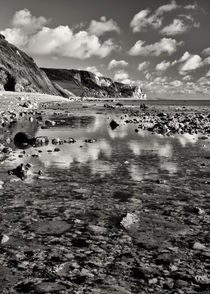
(86, 84)
(19, 72)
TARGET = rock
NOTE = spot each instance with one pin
(20, 171)
(50, 123)
(92, 140)
(49, 287)
(97, 229)
(70, 140)
(4, 239)
(6, 150)
(203, 280)
(1, 184)
(129, 220)
(181, 283)
(199, 246)
(55, 141)
(113, 124)
(51, 227)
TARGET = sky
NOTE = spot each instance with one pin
(161, 45)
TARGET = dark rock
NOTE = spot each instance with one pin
(113, 124)
(20, 171)
(92, 140)
(50, 227)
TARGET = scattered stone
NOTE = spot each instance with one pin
(51, 227)
(20, 171)
(4, 239)
(113, 124)
(92, 140)
(49, 287)
(129, 220)
(199, 246)
(70, 140)
(50, 123)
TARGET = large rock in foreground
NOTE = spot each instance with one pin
(19, 72)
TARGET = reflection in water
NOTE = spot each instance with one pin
(120, 132)
(171, 167)
(147, 155)
(82, 121)
(187, 139)
(154, 147)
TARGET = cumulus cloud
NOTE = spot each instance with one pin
(117, 63)
(61, 41)
(167, 8)
(165, 45)
(208, 74)
(31, 34)
(180, 25)
(24, 20)
(121, 75)
(187, 78)
(103, 26)
(143, 20)
(191, 62)
(15, 36)
(94, 70)
(162, 66)
(191, 6)
(206, 51)
(175, 28)
(143, 65)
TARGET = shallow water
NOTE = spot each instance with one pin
(121, 154)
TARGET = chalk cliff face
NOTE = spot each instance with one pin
(86, 84)
(19, 73)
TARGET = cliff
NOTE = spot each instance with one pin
(86, 84)
(19, 72)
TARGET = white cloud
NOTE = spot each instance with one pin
(121, 75)
(15, 36)
(94, 70)
(192, 62)
(165, 45)
(175, 28)
(31, 34)
(185, 56)
(143, 65)
(62, 41)
(167, 8)
(187, 78)
(206, 51)
(103, 26)
(142, 21)
(117, 63)
(24, 20)
(163, 65)
(208, 74)
(191, 6)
